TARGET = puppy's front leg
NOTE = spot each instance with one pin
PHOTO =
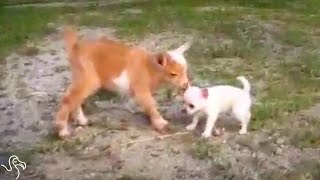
(149, 105)
(211, 120)
(194, 123)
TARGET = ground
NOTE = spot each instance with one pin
(275, 44)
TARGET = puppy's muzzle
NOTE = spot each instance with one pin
(184, 111)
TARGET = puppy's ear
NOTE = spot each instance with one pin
(205, 93)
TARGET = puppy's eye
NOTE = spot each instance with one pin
(191, 106)
(173, 74)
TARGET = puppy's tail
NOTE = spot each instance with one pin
(71, 42)
(245, 83)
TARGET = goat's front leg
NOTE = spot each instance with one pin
(149, 106)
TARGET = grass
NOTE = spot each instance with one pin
(52, 144)
(306, 138)
(202, 149)
(21, 25)
(305, 169)
(306, 135)
(130, 177)
(294, 37)
(19, 2)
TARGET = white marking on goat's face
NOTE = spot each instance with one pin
(178, 57)
(122, 82)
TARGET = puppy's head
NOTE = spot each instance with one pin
(195, 99)
(174, 66)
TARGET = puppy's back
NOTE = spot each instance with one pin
(226, 95)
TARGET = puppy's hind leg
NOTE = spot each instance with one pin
(245, 122)
(244, 118)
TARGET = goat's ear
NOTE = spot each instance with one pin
(183, 48)
(205, 93)
(161, 59)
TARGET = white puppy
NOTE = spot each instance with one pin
(215, 100)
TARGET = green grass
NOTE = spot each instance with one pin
(306, 135)
(306, 138)
(19, 2)
(132, 177)
(52, 144)
(20, 25)
(306, 169)
(294, 37)
(202, 149)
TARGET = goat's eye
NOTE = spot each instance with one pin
(191, 106)
(173, 74)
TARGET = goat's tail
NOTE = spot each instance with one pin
(71, 43)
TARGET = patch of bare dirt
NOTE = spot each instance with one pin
(315, 111)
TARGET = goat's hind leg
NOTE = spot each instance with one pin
(71, 102)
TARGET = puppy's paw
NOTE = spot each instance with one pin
(205, 134)
(243, 131)
(190, 127)
(159, 124)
